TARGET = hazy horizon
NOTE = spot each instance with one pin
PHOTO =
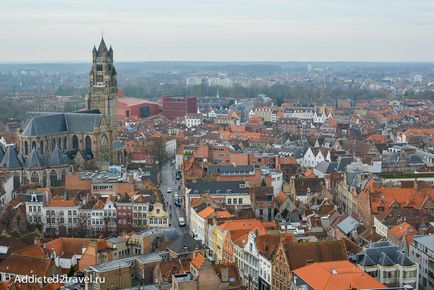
(64, 31)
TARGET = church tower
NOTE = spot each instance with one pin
(103, 85)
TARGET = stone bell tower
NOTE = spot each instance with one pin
(103, 86)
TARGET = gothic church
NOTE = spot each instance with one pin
(51, 143)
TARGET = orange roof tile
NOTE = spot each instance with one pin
(58, 201)
(400, 230)
(198, 260)
(377, 138)
(206, 212)
(408, 197)
(309, 173)
(280, 198)
(414, 131)
(336, 275)
(223, 214)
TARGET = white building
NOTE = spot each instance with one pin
(311, 158)
(253, 258)
(422, 252)
(299, 113)
(198, 224)
(60, 214)
(319, 118)
(35, 200)
(193, 120)
(140, 211)
(388, 264)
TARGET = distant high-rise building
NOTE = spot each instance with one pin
(178, 106)
(103, 85)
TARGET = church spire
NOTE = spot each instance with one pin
(102, 47)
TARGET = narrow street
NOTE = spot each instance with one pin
(168, 180)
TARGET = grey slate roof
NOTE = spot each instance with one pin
(12, 158)
(344, 162)
(102, 47)
(348, 225)
(230, 169)
(41, 124)
(218, 187)
(414, 159)
(426, 241)
(382, 253)
(34, 160)
(326, 167)
(57, 158)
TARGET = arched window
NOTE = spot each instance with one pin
(44, 179)
(65, 142)
(104, 143)
(41, 147)
(88, 143)
(74, 142)
(16, 180)
(63, 174)
(26, 147)
(35, 177)
(53, 144)
(33, 145)
(53, 178)
(59, 143)
(25, 178)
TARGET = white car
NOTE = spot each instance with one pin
(169, 190)
(181, 222)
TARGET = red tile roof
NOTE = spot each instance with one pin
(336, 275)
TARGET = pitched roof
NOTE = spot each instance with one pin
(57, 158)
(280, 198)
(68, 247)
(102, 47)
(336, 275)
(206, 212)
(400, 230)
(25, 265)
(198, 260)
(41, 124)
(34, 160)
(348, 225)
(223, 214)
(12, 159)
(382, 253)
(298, 254)
(58, 201)
(268, 244)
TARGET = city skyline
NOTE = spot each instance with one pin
(64, 31)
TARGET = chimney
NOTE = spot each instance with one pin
(334, 272)
(37, 241)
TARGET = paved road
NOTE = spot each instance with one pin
(168, 180)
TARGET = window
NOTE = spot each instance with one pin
(240, 200)
(229, 201)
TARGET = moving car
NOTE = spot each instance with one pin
(181, 221)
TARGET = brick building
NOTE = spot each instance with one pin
(178, 106)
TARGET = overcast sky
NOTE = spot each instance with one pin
(248, 30)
